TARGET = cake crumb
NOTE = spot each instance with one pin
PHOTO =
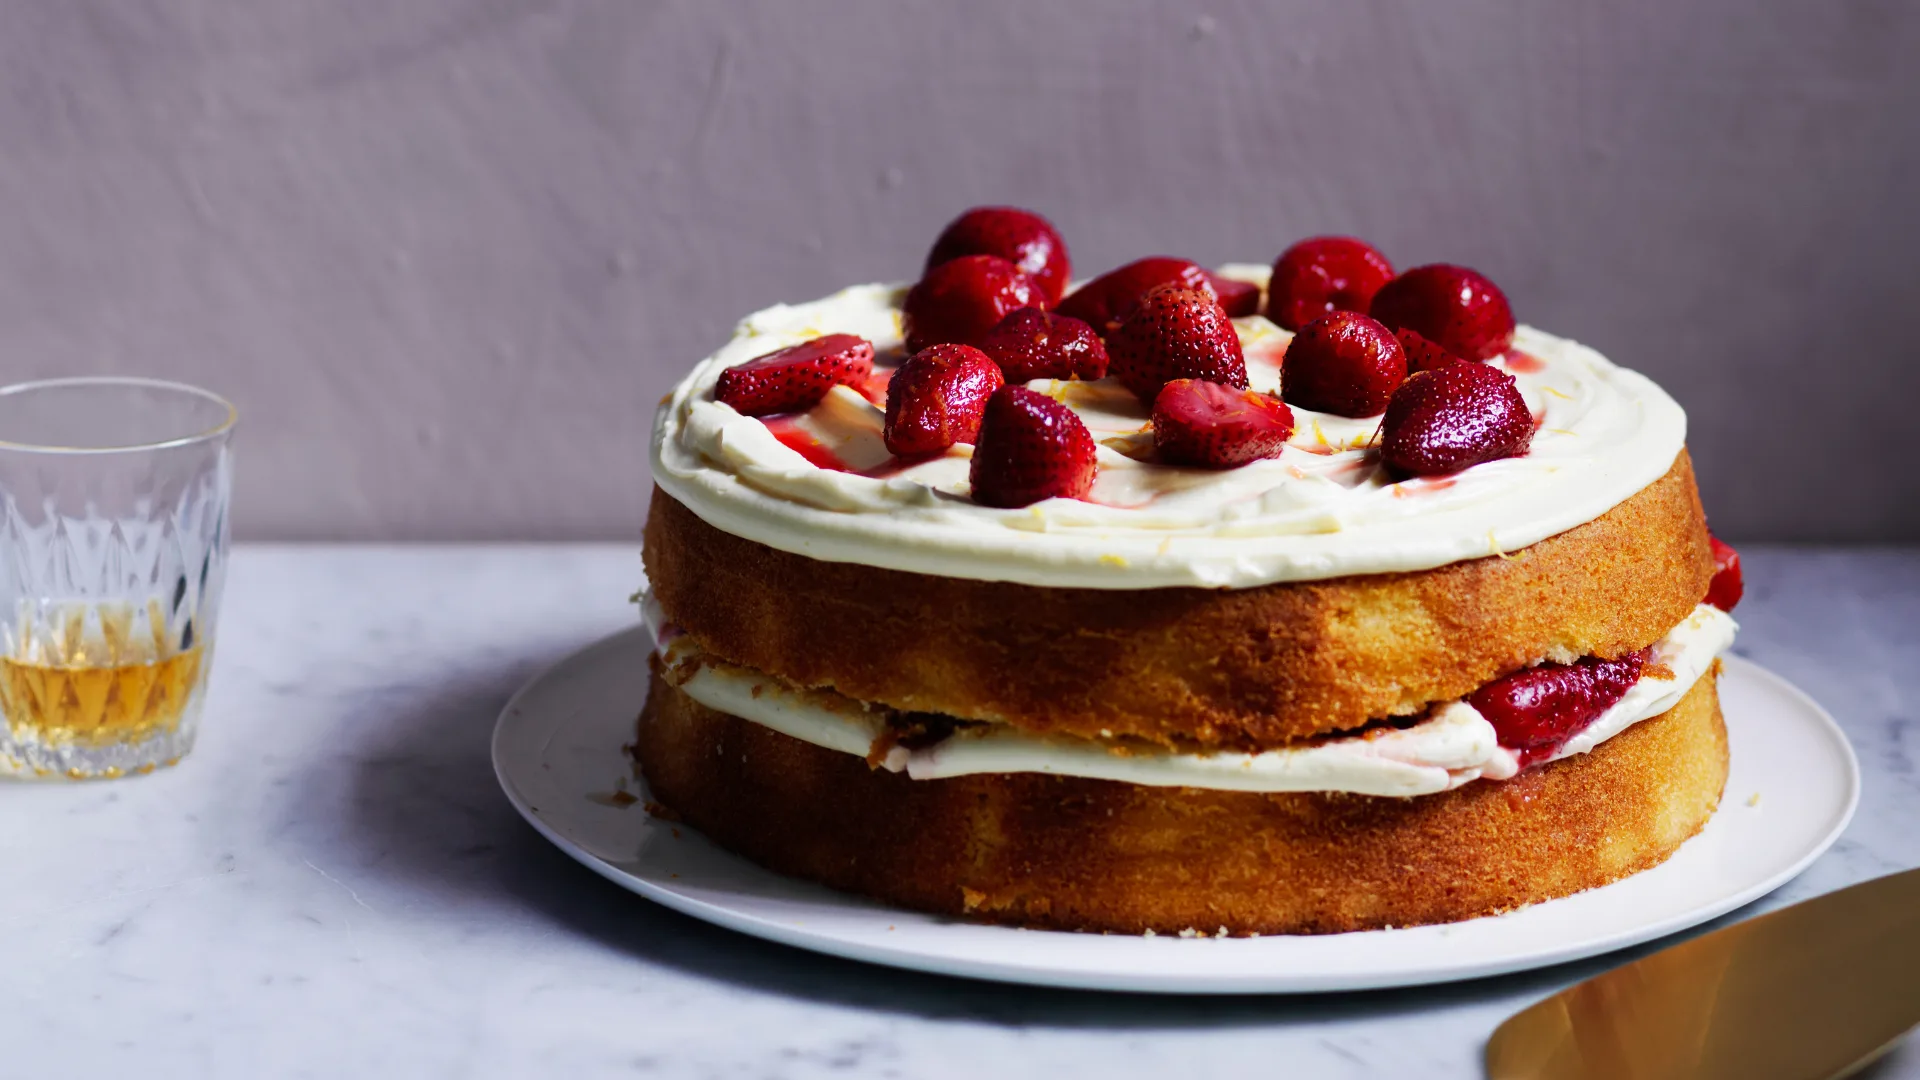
(1222, 933)
(1148, 932)
(971, 899)
(661, 811)
(1189, 932)
(1753, 799)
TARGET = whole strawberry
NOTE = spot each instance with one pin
(1034, 344)
(1021, 237)
(1030, 448)
(935, 399)
(1217, 427)
(1445, 420)
(1175, 333)
(1454, 307)
(1728, 585)
(961, 299)
(1423, 355)
(1104, 301)
(1537, 710)
(796, 377)
(1343, 363)
(1322, 275)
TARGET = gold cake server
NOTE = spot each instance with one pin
(1819, 989)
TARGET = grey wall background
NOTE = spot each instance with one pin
(446, 254)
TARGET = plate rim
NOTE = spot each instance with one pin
(1181, 983)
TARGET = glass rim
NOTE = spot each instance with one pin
(217, 431)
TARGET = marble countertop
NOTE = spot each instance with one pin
(333, 884)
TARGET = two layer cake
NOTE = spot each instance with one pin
(1130, 608)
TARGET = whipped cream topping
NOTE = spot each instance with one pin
(1453, 745)
(1324, 508)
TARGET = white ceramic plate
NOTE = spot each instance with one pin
(558, 752)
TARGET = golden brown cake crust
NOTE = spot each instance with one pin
(1070, 853)
(1179, 666)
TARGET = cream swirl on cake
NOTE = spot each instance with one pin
(1322, 509)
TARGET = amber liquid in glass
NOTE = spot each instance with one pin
(102, 678)
(97, 706)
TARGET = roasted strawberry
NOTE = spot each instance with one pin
(1217, 427)
(1454, 307)
(1445, 420)
(1237, 298)
(1175, 333)
(1537, 710)
(1423, 355)
(1322, 275)
(1104, 301)
(1728, 586)
(1035, 344)
(1343, 363)
(1021, 237)
(961, 299)
(1030, 448)
(796, 377)
(935, 399)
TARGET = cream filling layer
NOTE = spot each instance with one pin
(1323, 508)
(1453, 745)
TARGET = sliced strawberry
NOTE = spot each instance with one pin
(1343, 363)
(796, 377)
(1237, 298)
(1322, 275)
(1030, 448)
(1423, 355)
(1448, 419)
(1537, 710)
(1217, 427)
(935, 399)
(1454, 307)
(961, 299)
(1175, 333)
(1728, 586)
(1034, 344)
(1021, 237)
(1104, 301)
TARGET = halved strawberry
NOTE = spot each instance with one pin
(1021, 237)
(1423, 355)
(1728, 585)
(1175, 333)
(1237, 298)
(796, 377)
(1448, 419)
(1217, 427)
(958, 301)
(1030, 448)
(1536, 710)
(1322, 275)
(1034, 344)
(1454, 307)
(1104, 301)
(935, 399)
(1343, 363)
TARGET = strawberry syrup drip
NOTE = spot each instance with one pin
(801, 441)
(1522, 363)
